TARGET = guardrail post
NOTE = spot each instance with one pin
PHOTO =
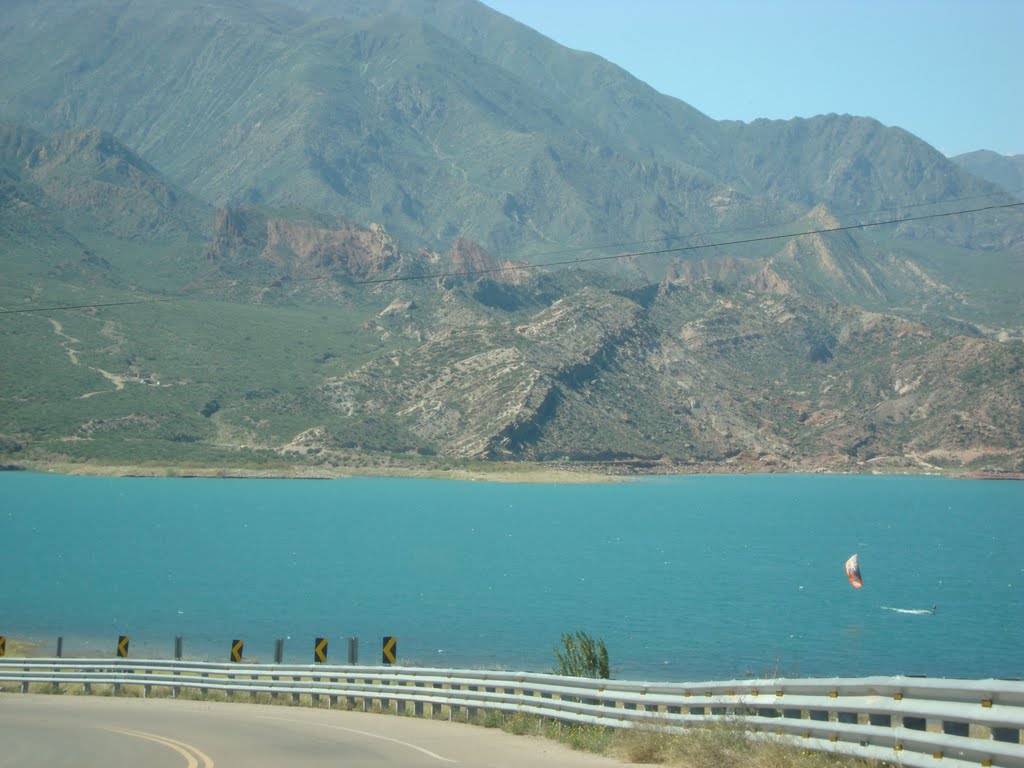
(374, 699)
(353, 650)
(435, 706)
(278, 650)
(60, 647)
(179, 643)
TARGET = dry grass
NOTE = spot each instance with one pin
(18, 649)
(725, 745)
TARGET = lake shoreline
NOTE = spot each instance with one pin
(519, 475)
(568, 473)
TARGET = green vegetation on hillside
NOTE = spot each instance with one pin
(287, 245)
(441, 120)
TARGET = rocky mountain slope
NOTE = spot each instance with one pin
(301, 339)
(305, 238)
(447, 120)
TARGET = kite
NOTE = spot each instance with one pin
(853, 572)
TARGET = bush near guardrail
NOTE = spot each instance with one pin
(919, 722)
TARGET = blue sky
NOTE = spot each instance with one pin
(948, 71)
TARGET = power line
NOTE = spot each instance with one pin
(663, 238)
(683, 248)
(577, 249)
(26, 310)
(563, 262)
(667, 238)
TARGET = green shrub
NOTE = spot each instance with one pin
(581, 656)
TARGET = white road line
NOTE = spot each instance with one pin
(426, 752)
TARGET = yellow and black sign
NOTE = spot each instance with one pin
(320, 650)
(389, 650)
(3, 645)
(122, 646)
(236, 650)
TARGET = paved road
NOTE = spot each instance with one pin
(48, 731)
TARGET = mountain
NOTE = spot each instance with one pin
(1005, 170)
(304, 238)
(441, 120)
(79, 200)
(583, 371)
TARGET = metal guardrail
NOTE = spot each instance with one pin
(919, 722)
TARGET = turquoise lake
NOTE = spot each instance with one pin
(685, 578)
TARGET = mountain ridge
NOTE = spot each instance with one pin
(1005, 170)
(398, 129)
(310, 244)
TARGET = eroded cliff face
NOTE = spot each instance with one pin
(229, 236)
(301, 249)
(467, 260)
(357, 253)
